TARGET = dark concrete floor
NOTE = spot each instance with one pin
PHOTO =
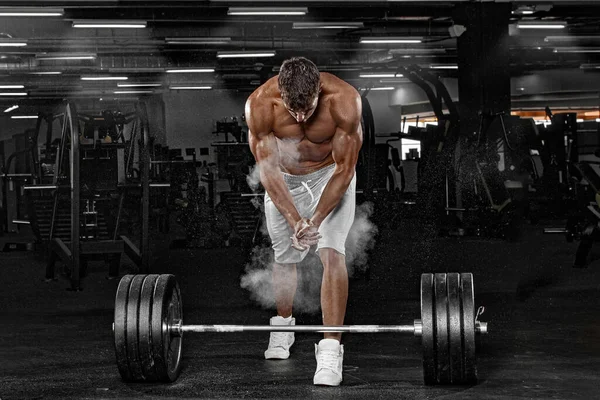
(544, 323)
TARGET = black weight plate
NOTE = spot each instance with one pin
(133, 306)
(468, 322)
(427, 337)
(145, 329)
(455, 328)
(166, 309)
(120, 327)
(441, 329)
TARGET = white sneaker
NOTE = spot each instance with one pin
(330, 359)
(280, 342)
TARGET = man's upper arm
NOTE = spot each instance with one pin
(260, 137)
(347, 140)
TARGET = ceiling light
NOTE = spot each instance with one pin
(133, 91)
(46, 73)
(190, 70)
(24, 117)
(190, 87)
(327, 25)
(267, 11)
(541, 24)
(9, 109)
(245, 54)
(389, 40)
(65, 56)
(11, 86)
(589, 66)
(138, 84)
(380, 75)
(443, 66)
(12, 43)
(103, 78)
(577, 50)
(99, 23)
(13, 94)
(30, 12)
(383, 88)
(198, 40)
(597, 119)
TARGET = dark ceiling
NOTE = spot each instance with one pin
(144, 55)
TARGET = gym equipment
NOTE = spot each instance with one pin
(148, 328)
(92, 175)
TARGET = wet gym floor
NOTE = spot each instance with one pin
(543, 316)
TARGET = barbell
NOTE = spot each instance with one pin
(148, 328)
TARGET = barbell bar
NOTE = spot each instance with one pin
(178, 329)
(148, 328)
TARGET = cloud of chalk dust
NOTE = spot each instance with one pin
(257, 279)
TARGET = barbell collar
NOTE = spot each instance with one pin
(481, 328)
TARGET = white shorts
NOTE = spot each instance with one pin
(306, 190)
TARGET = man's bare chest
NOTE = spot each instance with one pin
(317, 131)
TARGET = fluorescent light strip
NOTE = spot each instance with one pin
(9, 109)
(198, 40)
(244, 54)
(133, 91)
(104, 78)
(327, 25)
(190, 70)
(31, 12)
(389, 40)
(5, 43)
(577, 50)
(267, 11)
(384, 88)
(46, 73)
(380, 75)
(97, 23)
(12, 86)
(13, 94)
(24, 117)
(190, 87)
(138, 84)
(541, 25)
(443, 66)
(65, 56)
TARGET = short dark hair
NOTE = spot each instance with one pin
(299, 82)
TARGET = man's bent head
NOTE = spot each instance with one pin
(299, 84)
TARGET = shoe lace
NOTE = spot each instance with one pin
(328, 359)
(278, 339)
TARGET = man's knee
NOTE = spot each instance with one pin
(330, 257)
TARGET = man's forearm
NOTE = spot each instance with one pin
(280, 195)
(332, 194)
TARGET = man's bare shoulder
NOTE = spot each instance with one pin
(265, 94)
(260, 105)
(344, 100)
